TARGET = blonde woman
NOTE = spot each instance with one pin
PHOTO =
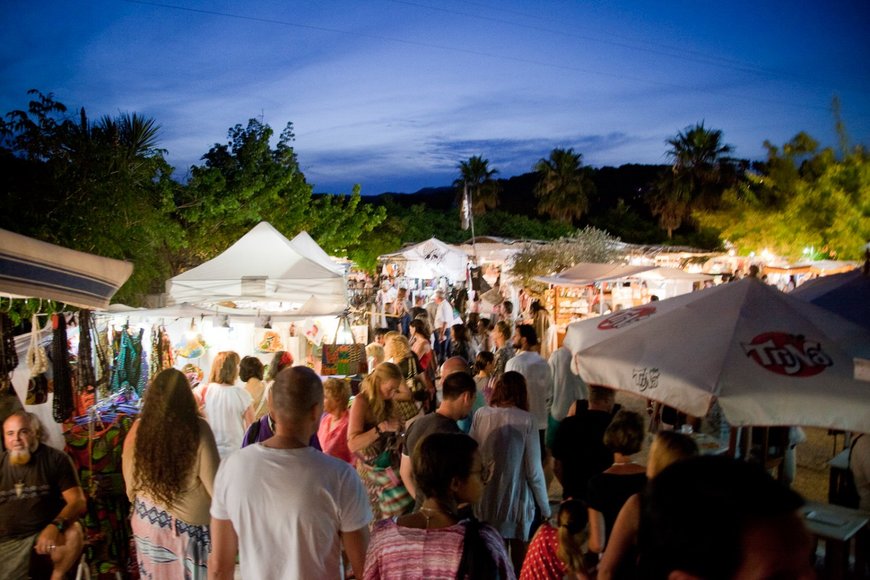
(398, 351)
(228, 408)
(373, 437)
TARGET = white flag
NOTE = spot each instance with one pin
(465, 210)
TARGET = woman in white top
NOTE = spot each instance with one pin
(509, 442)
(228, 408)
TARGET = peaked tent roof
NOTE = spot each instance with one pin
(311, 250)
(431, 259)
(264, 267)
(587, 273)
(34, 269)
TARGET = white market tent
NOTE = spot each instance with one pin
(431, 259)
(311, 250)
(587, 273)
(667, 282)
(265, 271)
(31, 268)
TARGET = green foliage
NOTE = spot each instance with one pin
(801, 197)
(246, 181)
(101, 187)
(564, 187)
(586, 245)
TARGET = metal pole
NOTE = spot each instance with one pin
(471, 219)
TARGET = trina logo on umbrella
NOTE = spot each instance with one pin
(787, 354)
(626, 317)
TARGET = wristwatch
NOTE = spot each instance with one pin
(60, 524)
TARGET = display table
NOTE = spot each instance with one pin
(838, 526)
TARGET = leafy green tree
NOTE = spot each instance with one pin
(102, 187)
(803, 196)
(478, 177)
(564, 187)
(245, 181)
(586, 245)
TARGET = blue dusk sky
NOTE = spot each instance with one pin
(394, 94)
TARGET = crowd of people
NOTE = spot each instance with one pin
(286, 476)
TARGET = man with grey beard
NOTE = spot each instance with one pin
(41, 500)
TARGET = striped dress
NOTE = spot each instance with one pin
(396, 552)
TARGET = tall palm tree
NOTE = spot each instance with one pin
(476, 175)
(699, 156)
(700, 172)
(564, 187)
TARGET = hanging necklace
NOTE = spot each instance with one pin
(428, 513)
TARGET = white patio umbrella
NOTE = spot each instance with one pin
(768, 358)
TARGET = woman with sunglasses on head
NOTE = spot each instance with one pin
(436, 542)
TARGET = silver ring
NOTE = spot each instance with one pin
(52, 547)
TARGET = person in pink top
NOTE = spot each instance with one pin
(332, 431)
(437, 542)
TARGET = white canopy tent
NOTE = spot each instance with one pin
(588, 273)
(431, 259)
(667, 282)
(265, 271)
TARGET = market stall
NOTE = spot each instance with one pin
(62, 389)
(264, 271)
(582, 290)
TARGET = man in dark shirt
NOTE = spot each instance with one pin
(458, 394)
(40, 501)
(578, 448)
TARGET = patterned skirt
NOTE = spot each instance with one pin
(166, 547)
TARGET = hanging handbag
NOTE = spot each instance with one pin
(343, 359)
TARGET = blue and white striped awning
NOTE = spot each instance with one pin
(30, 268)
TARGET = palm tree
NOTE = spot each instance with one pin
(564, 187)
(700, 172)
(476, 175)
(699, 156)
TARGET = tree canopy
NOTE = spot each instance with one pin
(564, 188)
(801, 197)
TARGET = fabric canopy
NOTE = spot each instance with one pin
(765, 356)
(663, 273)
(586, 273)
(431, 259)
(265, 270)
(306, 246)
(30, 268)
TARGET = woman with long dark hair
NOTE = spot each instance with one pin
(436, 541)
(169, 462)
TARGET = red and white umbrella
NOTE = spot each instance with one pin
(768, 358)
